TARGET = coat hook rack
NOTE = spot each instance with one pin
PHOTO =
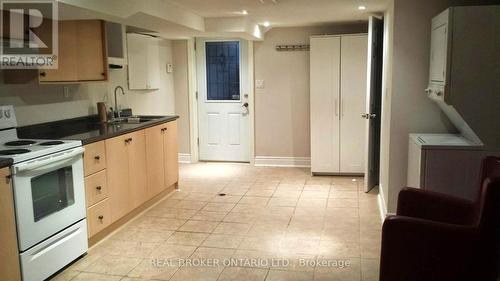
(292, 48)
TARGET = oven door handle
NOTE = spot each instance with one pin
(51, 159)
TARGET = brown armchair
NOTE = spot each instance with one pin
(438, 237)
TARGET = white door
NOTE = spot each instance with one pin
(223, 109)
(325, 99)
(373, 102)
(354, 49)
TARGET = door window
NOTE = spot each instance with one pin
(52, 192)
(223, 70)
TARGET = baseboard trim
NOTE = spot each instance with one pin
(274, 161)
(381, 204)
(185, 158)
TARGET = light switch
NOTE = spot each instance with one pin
(259, 84)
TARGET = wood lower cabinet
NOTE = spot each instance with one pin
(98, 217)
(155, 156)
(117, 173)
(171, 152)
(138, 166)
(162, 156)
(9, 255)
(136, 148)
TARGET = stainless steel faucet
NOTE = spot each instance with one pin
(117, 111)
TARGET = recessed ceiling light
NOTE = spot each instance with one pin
(266, 24)
(244, 12)
(361, 7)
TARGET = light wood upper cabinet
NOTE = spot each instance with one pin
(143, 62)
(67, 58)
(91, 49)
(9, 255)
(117, 174)
(171, 151)
(156, 159)
(136, 151)
(82, 53)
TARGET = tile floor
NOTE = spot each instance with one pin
(272, 224)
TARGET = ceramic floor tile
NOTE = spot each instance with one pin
(171, 251)
(279, 275)
(242, 274)
(271, 215)
(209, 216)
(232, 228)
(199, 226)
(223, 241)
(85, 276)
(113, 265)
(219, 207)
(151, 269)
(254, 200)
(197, 274)
(187, 238)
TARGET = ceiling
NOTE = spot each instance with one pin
(174, 19)
(285, 12)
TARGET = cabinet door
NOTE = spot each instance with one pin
(91, 59)
(117, 169)
(137, 61)
(155, 159)
(171, 151)
(136, 147)
(439, 49)
(353, 103)
(9, 255)
(153, 64)
(325, 99)
(67, 56)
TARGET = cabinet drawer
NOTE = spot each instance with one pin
(94, 158)
(96, 188)
(98, 217)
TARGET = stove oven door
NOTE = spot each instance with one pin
(49, 195)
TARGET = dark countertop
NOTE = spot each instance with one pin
(86, 129)
(5, 162)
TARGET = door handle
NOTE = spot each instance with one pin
(245, 105)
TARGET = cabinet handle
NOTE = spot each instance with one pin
(100, 217)
(98, 187)
(103, 74)
(43, 73)
(8, 178)
(97, 157)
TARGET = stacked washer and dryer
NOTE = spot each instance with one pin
(463, 81)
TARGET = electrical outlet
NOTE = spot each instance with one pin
(66, 91)
(170, 68)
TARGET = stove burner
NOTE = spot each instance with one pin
(14, 151)
(47, 143)
(20, 143)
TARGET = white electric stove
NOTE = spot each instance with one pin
(49, 199)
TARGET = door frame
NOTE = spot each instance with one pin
(193, 97)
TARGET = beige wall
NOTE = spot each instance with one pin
(36, 103)
(282, 107)
(180, 60)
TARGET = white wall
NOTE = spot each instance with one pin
(36, 103)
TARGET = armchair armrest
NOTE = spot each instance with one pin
(434, 206)
(414, 249)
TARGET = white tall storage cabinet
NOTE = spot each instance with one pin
(338, 97)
